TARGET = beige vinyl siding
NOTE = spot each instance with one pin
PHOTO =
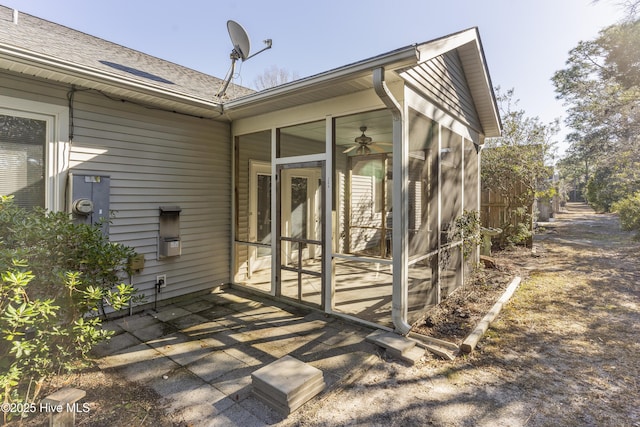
(157, 158)
(154, 158)
(444, 81)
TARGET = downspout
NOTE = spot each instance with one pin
(399, 233)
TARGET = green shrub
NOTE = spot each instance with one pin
(520, 232)
(516, 230)
(629, 211)
(467, 229)
(56, 278)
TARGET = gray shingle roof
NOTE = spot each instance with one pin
(52, 40)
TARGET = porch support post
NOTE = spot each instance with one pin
(275, 217)
(400, 248)
(329, 217)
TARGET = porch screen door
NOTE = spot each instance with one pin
(301, 248)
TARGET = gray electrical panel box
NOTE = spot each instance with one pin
(89, 202)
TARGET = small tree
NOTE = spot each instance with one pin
(516, 166)
(601, 89)
(273, 76)
(55, 279)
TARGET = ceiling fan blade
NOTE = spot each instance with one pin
(375, 148)
(353, 147)
(388, 144)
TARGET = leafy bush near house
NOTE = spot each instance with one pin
(56, 278)
(629, 211)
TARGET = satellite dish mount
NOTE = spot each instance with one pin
(241, 50)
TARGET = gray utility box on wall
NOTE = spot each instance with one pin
(169, 242)
(170, 247)
(89, 201)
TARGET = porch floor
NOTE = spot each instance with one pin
(362, 289)
(198, 354)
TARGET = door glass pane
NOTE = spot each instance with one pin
(299, 206)
(22, 160)
(263, 214)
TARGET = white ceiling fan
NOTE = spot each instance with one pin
(364, 144)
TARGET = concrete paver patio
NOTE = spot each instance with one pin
(199, 354)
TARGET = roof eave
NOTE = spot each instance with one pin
(20, 60)
(392, 60)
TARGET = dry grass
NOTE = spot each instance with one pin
(571, 331)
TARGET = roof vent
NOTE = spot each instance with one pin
(15, 16)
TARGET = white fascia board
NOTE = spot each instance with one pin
(435, 48)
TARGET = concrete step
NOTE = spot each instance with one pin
(391, 340)
(397, 346)
(294, 403)
(410, 356)
(287, 384)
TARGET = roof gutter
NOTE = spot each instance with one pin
(399, 294)
(398, 58)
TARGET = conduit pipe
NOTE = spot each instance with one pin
(399, 234)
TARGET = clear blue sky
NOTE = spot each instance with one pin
(524, 41)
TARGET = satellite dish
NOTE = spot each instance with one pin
(239, 39)
(241, 48)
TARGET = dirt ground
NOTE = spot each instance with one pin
(455, 318)
(564, 350)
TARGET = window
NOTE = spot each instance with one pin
(33, 152)
(23, 159)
